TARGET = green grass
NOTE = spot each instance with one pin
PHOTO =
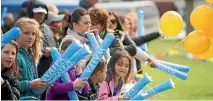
(198, 85)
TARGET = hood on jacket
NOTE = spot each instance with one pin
(36, 4)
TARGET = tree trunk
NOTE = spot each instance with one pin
(189, 8)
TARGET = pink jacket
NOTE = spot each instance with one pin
(106, 92)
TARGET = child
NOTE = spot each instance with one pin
(98, 76)
(118, 70)
(9, 72)
(59, 90)
(30, 45)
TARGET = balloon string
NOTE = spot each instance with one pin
(176, 46)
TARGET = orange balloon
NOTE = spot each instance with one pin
(202, 17)
(171, 23)
(207, 54)
(209, 1)
(196, 42)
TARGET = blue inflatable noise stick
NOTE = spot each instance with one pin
(3, 14)
(98, 55)
(62, 65)
(92, 40)
(178, 67)
(169, 84)
(170, 70)
(55, 54)
(138, 87)
(140, 17)
(10, 35)
(65, 77)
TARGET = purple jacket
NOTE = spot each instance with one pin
(59, 90)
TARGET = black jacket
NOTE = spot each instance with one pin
(145, 38)
(10, 87)
(122, 41)
(92, 93)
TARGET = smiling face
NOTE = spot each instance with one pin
(8, 56)
(122, 67)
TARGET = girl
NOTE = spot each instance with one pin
(59, 90)
(9, 72)
(30, 45)
(118, 70)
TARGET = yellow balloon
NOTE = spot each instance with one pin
(201, 17)
(171, 23)
(209, 1)
(209, 32)
(196, 42)
(207, 54)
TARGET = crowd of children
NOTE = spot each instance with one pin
(27, 58)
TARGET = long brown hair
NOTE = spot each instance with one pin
(118, 20)
(113, 60)
(13, 69)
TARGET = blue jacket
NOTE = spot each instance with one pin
(28, 72)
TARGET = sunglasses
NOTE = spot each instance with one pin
(113, 21)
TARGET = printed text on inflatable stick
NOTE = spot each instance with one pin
(95, 59)
(165, 69)
(148, 92)
(55, 71)
(131, 92)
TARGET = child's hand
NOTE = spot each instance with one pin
(78, 83)
(39, 84)
(122, 98)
